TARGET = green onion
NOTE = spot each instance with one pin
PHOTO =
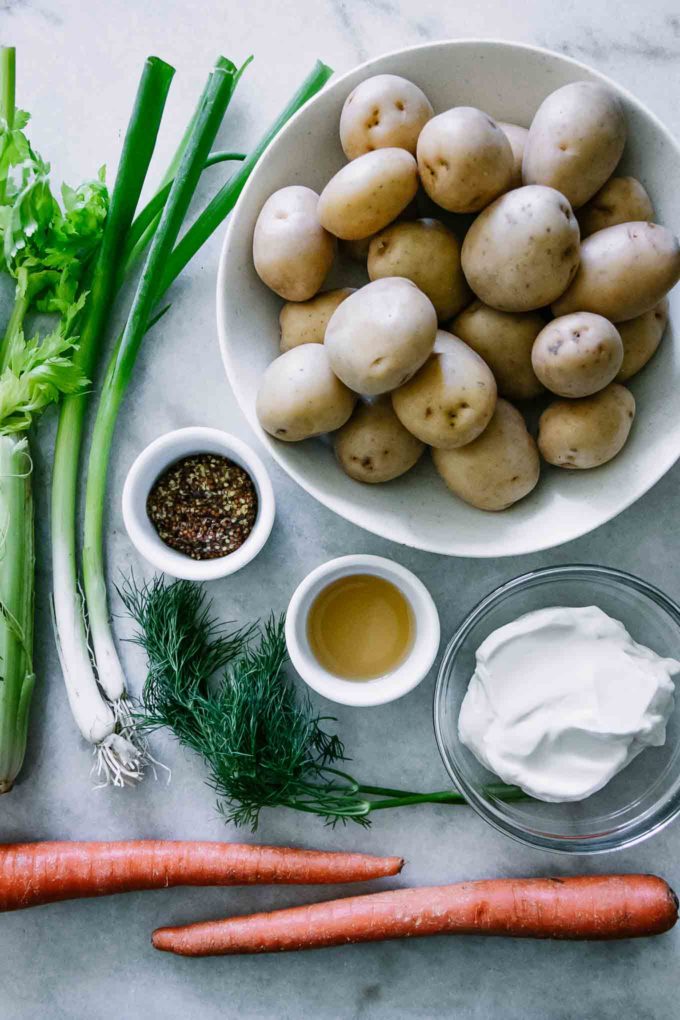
(146, 221)
(95, 718)
(154, 282)
(217, 94)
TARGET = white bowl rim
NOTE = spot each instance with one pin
(364, 693)
(159, 455)
(352, 513)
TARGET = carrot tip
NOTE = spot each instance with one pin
(159, 939)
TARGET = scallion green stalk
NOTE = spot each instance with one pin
(218, 92)
(159, 271)
(96, 719)
(146, 221)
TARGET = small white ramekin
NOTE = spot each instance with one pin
(153, 461)
(400, 681)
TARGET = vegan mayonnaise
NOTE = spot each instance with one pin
(562, 699)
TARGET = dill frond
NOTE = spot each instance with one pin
(225, 695)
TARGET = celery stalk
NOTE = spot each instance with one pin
(17, 560)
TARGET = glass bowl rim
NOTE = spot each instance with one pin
(638, 829)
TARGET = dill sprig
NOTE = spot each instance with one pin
(225, 694)
(264, 746)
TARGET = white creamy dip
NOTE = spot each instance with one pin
(562, 699)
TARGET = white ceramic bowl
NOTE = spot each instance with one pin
(400, 681)
(509, 81)
(153, 461)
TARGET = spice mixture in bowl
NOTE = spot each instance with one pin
(198, 503)
(204, 506)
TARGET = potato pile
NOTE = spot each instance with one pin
(553, 289)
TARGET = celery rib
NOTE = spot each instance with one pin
(17, 562)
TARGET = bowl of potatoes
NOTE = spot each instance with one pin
(445, 298)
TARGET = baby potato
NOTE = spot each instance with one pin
(464, 159)
(299, 396)
(575, 140)
(585, 433)
(522, 252)
(368, 193)
(641, 337)
(426, 252)
(450, 400)
(373, 446)
(292, 252)
(357, 251)
(620, 200)
(304, 322)
(504, 340)
(381, 335)
(517, 136)
(625, 270)
(578, 354)
(497, 469)
(384, 111)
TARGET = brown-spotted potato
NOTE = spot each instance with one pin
(464, 159)
(384, 111)
(496, 470)
(450, 400)
(304, 322)
(299, 396)
(292, 252)
(620, 200)
(522, 251)
(368, 193)
(585, 433)
(426, 252)
(504, 340)
(576, 355)
(625, 270)
(575, 140)
(381, 335)
(373, 446)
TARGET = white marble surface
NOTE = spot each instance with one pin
(78, 66)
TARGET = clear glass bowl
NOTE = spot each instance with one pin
(642, 798)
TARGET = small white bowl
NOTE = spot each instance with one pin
(153, 461)
(400, 681)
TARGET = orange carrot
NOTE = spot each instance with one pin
(34, 873)
(592, 907)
